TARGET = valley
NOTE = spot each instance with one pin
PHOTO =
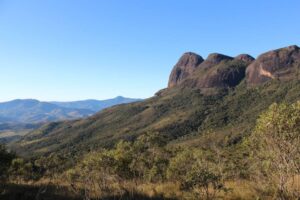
(20, 116)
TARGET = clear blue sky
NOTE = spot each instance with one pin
(79, 49)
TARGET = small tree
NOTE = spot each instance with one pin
(196, 173)
(96, 174)
(150, 157)
(180, 164)
(204, 180)
(276, 144)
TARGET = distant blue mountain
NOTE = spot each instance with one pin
(34, 111)
(96, 105)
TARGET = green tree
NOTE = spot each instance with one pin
(95, 174)
(150, 157)
(197, 173)
(204, 179)
(109, 169)
(180, 164)
(276, 146)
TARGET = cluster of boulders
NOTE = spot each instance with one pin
(221, 71)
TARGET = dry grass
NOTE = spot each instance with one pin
(237, 190)
(242, 190)
(167, 190)
(295, 184)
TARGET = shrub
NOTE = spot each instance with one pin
(275, 143)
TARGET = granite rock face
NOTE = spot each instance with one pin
(185, 66)
(221, 71)
(245, 57)
(214, 59)
(280, 64)
(216, 71)
(224, 73)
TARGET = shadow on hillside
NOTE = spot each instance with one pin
(26, 192)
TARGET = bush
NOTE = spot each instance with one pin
(275, 143)
(196, 173)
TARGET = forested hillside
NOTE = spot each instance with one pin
(225, 128)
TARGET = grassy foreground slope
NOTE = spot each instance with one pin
(182, 114)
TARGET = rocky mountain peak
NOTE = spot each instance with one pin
(214, 59)
(185, 66)
(189, 59)
(216, 71)
(217, 57)
(222, 71)
(281, 64)
(292, 48)
(245, 57)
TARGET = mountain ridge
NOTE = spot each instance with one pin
(94, 104)
(35, 111)
(179, 111)
(222, 71)
(282, 63)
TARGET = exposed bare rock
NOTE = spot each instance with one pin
(245, 57)
(185, 66)
(216, 71)
(221, 71)
(281, 64)
(214, 59)
(227, 73)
